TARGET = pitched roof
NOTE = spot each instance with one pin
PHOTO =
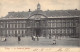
(58, 13)
(48, 13)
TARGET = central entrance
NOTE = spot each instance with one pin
(39, 22)
(38, 32)
(38, 29)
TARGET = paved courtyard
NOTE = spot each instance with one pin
(27, 41)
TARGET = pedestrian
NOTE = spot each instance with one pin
(34, 38)
(54, 41)
(3, 39)
(49, 36)
(37, 38)
(19, 39)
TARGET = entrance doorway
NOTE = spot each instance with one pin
(38, 32)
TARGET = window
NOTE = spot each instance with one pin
(20, 25)
(58, 30)
(7, 25)
(63, 20)
(71, 24)
(63, 24)
(63, 30)
(70, 30)
(66, 31)
(49, 24)
(7, 32)
(20, 31)
(58, 20)
(4, 32)
(13, 25)
(4, 25)
(17, 31)
(23, 25)
(13, 31)
(58, 24)
(17, 26)
(10, 31)
(23, 31)
(53, 31)
(53, 20)
(10, 25)
(53, 24)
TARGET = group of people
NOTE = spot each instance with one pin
(3, 39)
(34, 38)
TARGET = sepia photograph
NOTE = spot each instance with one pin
(40, 23)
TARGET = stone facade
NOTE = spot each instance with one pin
(41, 23)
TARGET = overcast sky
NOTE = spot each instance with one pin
(24, 5)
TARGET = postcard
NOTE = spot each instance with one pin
(39, 25)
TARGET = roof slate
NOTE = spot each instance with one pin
(48, 13)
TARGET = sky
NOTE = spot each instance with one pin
(24, 5)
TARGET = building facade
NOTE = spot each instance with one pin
(41, 23)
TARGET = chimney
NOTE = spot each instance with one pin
(29, 10)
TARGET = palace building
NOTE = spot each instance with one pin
(41, 23)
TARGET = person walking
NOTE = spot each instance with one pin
(37, 38)
(34, 38)
(3, 39)
(54, 41)
(19, 39)
(49, 36)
